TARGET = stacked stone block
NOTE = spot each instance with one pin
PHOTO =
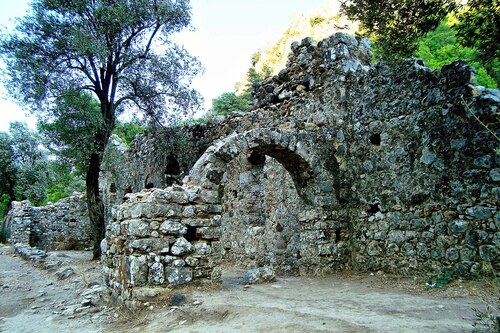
(62, 225)
(162, 238)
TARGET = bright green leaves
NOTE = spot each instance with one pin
(396, 25)
(440, 47)
(479, 28)
(229, 102)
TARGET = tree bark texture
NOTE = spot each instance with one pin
(95, 205)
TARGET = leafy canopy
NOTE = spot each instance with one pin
(71, 130)
(105, 47)
(479, 28)
(229, 102)
(440, 47)
(397, 24)
(116, 52)
(64, 181)
(127, 131)
(7, 167)
(23, 164)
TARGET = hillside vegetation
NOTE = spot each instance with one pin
(438, 47)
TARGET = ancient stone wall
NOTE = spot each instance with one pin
(62, 225)
(344, 164)
(161, 238)
(425, 189)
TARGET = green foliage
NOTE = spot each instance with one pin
(127, 131)
(256, 57)
(27, 173)
(479, 28)
(192, 121)
(7, 167)
(313, 21)
(117, 51)
(70, 131)
(397, 25)
(31, 164)
(4, 206)
(440, 47)
(106, 48)
(254, 76)
(229, 102)
(442, 280)
(63, 181)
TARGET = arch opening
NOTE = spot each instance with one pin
(260, 208)
(299, 170)
(254, 229)
(172, 170)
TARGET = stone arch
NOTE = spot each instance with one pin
(320, 230)
(172, 236)
(295, 151)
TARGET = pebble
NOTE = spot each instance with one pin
(80, 309)
(197, 303)
(86, 302)
(69, 312)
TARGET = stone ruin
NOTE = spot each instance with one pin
(63, 225)
(340, 165)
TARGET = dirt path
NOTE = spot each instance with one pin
(311, 305)
(34, 300)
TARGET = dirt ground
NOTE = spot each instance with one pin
(36, 300)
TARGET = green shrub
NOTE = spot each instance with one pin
(316, 20)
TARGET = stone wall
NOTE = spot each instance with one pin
(160, 238)
(344, 164)
(63, 225)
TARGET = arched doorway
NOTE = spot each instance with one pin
(258, 227)
(260, 209)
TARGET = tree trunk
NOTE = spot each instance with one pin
(95, 205)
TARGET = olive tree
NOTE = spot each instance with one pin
(116, 51)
